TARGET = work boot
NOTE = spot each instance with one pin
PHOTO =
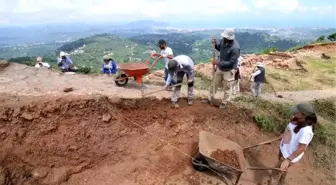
(175, 105)
(170, 89)
(207, 101)
(190, 102)
(222, 106)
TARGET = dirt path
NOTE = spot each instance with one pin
(300, 96)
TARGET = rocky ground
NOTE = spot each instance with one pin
(77, 129)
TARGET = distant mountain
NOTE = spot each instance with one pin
(143, 24)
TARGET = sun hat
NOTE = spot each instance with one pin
(228, 34)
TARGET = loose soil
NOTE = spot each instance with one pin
(133, 66)
(228, 157)
(90, 140)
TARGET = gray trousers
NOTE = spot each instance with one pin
(256, 88)
(177, 89)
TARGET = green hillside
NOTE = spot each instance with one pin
(88, 52)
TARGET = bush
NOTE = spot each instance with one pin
(269, 50)
(320, 39)
(84, 69)
(332, 37)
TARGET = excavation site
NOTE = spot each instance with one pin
(91, 140)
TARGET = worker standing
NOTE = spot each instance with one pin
(166, 53)
(257, 78)
(235, 85)
(181, 65)
(295, 140)
(229, 52)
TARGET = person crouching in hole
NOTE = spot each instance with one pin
(181, 65)
(295, 140)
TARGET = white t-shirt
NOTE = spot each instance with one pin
(186, 65)
(44, 64)
(167, 51)
(290, 141)
(184, 60)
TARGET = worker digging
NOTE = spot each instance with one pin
(181, 65)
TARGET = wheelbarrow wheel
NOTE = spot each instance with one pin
(199, 162)
(120, 82)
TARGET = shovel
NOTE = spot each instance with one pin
(262, 143)
(163, 89)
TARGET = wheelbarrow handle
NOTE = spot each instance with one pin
(148, 59)
(263, 168)
(154, 63)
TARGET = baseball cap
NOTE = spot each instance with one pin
(161, 41)
(303, 107)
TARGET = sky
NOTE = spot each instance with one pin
(238, 13)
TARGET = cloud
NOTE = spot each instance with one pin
(284, 6)
(166, 10)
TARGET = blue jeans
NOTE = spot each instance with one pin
(166, 77)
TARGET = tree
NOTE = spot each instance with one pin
(320, 39)
(332, 37)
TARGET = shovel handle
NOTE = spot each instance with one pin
(263, 168)
(161, 89)
(263, 143)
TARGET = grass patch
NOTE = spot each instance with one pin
(269, 116)
(326, 108)
(274, 117)
(320, 75)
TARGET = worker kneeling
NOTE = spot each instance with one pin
(181, 65)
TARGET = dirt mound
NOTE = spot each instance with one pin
(48, 140)
(96, 140)
(228, 157)
(3, 64)
(323, 47)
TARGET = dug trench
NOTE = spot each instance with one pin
(97, 140)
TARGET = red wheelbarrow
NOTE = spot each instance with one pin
(136, 70)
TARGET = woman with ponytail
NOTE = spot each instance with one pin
(295, 140)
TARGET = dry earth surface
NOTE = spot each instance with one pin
(98, 133)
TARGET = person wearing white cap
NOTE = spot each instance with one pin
(229, 51)
(65, 63)
(257, 78)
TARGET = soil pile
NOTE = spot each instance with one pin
(133, 66)
(228, 157)
(47, 140)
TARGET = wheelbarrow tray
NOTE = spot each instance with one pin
(134, 69)
(209, 143)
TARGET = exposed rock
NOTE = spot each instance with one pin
(40, 172)
(324, 56)
(68, 89)
(27, 116)
(158, 73)
(4, 176)
(277, 60)
(56, 176)
(106, 117)
(4, 64)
